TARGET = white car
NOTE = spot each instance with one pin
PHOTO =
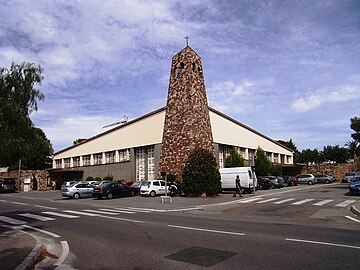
(153, 188)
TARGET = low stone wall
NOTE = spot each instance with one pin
(336, 170)
(30, 180)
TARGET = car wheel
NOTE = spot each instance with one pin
(99, 197)
(272, 186)
(109, 196)
(132, 193)
(327, 182)
(310, 183)
(152, 194)
(76, 196)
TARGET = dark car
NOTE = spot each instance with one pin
(112, 190)
(354, 186)
(7, 184)
(136, 187)
(289, 180)
(324, 178)
(276, 181)
(263, 182)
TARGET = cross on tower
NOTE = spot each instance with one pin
(187, 40)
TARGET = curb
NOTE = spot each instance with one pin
(30, 260)
(355, 210)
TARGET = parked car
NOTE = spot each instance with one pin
(289, 180)
(112, 190)
(306, 179)
(153, 188)
(7, 184)
(263, 182)
(77, 190)
(276, 181)
(101, 183)
(349, 176)
(136, 187)
(354, 186)
(324, 178)
(68, 184)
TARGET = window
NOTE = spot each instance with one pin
(76, 161)
(110, 157)
(221, 157)
(151, 162)
(86, 160)
(58, 163)
(66, 162)
(140, 164)
(156, 183)
(124, 155)
(98, 159)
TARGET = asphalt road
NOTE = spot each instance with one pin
(293, 228)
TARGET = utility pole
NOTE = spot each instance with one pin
(19, 175)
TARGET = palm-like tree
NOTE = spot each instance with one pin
(354, 148)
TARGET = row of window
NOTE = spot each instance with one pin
(95, 159)
(224, 152)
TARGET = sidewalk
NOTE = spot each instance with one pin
(356, 208)
(18, 250)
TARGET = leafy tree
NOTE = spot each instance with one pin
(276, 170)
(201, 174)
(355, 125)
(290, 144)
(262, 164)
(18, 99)
(308, 155)
(234, 159)
(335, 153)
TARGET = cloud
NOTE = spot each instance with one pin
(324, 98)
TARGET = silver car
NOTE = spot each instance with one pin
(306, 179)
(77, 190)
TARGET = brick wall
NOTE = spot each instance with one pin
(39, 179)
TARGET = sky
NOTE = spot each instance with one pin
(289, 69)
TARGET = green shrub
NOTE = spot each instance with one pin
(89, 178)
(201, 174)
(97, 179)
(234, 159)
(276, 170)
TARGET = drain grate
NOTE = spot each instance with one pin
(201, 256)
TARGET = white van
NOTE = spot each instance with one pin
(247, 179)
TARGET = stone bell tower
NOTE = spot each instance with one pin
(187, 121)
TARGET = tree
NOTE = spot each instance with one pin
(290, 144)
(18, 99)
(262, 164)
(335, 153)
(200, 174)
(308, 155)
(355, 125)
(234, 159)
(354, 148)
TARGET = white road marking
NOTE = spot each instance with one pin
(42, 231)
(250, 200)
(33, 216)
(121, 219)
(81, 213)
(322, 243)
(141, 210)
(116, 211)
(60, 215)
(353, 219)
(284, 201)
(99, 212)
(19, 203)
(345, 203)
(64, 254)
(323, 202)
(205, 230)
(302, 202)
(46, 207)
(2, 201)
(268, 200)
(12, 220)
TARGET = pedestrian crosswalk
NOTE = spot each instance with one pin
(295, 201)
(24, 218)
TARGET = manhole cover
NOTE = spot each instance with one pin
(201, 256)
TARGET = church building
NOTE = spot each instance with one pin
(161, 140)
